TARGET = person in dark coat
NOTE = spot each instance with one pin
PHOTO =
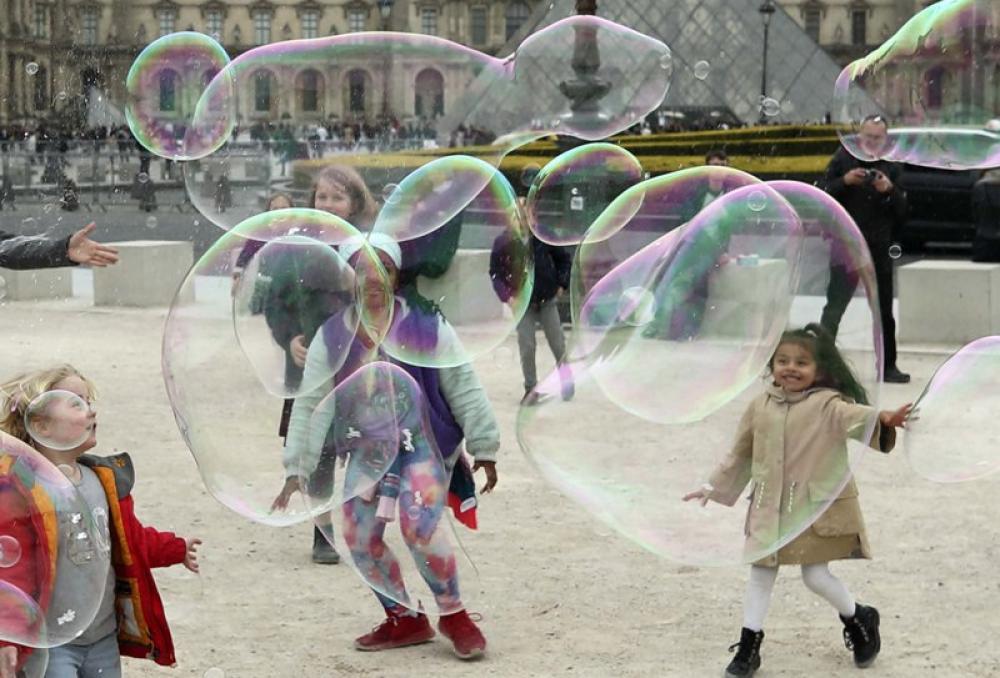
(869, 190)
(986, 210)
(24, 252)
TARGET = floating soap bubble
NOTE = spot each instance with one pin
(390, 498)
(756, 201)
(142, 177)
(236, 340)
(528, 174)
(389, 194)
(31, 68)
(959, 400)
(151, 223)
(10, 551)
(935, 119)
(770, 107)
(180, 102)
(44, 508)
(575, 187)
(702, 69)
(489, 103)
(639, 493)
(59, 420)
(454, 305)
(895, 251)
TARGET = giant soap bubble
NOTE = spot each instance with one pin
(502, 103)
(44, 518)
(928, 82)
(636, 485)
(949, 436)
(227, 348)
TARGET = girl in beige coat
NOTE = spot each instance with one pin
(792, 444)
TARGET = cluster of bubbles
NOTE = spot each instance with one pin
(347, 310)
(44, 512)
(681, 289)
(912, 80)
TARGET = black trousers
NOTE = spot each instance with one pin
(843, 283)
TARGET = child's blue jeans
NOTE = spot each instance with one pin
(98, 660)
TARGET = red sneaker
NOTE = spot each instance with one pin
(396, 632)
(462, 631)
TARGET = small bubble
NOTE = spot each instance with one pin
(895, 251)
(770, 107)
(31, 68)
(665, 62)
(10, 551)
(701, 69)
(390, 194)
(528, 174)
(151, 222)
(757, 201)
(143, 177)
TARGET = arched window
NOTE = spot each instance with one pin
(309, 86)
(263, 86)
(41, 89)
(168, 90)
(429, 93)
(517, 14)
(357, 89)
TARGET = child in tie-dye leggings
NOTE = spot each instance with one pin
(401, 443)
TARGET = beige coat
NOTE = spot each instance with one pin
(792, 447)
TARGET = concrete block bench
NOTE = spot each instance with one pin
(148, 273)
(473, 302)
(948, 301)
(43, 283)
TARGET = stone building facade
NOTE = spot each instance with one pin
(60, 54)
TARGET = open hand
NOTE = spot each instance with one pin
(491, 474)
(701, 494)
(191, 557)
(85, 251)
(292, 485)
(8, 661)
(895, 419)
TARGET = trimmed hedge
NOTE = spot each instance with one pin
(773, 152)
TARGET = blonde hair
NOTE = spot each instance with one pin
(364, 209)
(17, 393)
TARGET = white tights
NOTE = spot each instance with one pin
(817, 579)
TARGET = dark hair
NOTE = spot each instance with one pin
(716, 154)
(832, 371)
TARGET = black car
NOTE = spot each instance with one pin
(940, 206)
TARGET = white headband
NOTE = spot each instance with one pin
(379, 241)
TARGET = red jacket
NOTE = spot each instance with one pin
(135, 550)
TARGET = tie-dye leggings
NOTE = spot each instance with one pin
(423, 493)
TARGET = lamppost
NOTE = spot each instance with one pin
(766, 10)
(385, 10)
(586, 89)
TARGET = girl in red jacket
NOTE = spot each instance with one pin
(62, 426)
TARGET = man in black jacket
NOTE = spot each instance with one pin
(35, 251)
(869, 191)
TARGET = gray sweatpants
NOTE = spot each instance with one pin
(546, 313)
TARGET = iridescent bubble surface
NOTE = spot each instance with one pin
(575, 187)
(180, 103)
(950, 435)
(926, 83)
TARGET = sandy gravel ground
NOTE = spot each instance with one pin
(560, 593)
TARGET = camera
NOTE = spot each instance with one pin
(870, 175)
